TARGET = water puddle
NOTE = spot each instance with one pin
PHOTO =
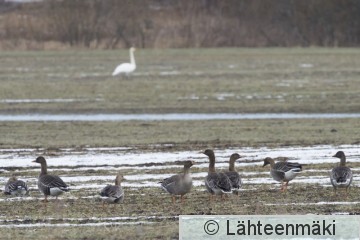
(169, 116)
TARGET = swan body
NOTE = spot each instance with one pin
(126, 68)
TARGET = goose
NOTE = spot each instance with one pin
(233, 175)
(341, 176)
(126, 68)
(49, 185)
(283, 172)
(113, 193)
(179, 184)
(16, 187)
(216, 183)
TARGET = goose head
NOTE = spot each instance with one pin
(339, 154)
(268, 161)
(40, 160)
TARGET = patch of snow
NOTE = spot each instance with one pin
(46, 100)
(306, 65)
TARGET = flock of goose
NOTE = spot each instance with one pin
(222, 183)
(216, 183)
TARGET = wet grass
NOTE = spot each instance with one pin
(84, 206)
(180, 134)
(191, 80)
(167, 81)
(152, 202)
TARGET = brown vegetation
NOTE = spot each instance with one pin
(174, 23)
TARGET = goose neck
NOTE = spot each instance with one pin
(343, 161)
(212, 164)
(231, 165)
(117, 181)
(43, 168)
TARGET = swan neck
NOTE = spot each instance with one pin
(132, 58)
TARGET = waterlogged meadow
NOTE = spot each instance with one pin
(87, 154)
(222, 80)
(87, 170)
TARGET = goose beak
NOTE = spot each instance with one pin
(34, 161)
(334, 156)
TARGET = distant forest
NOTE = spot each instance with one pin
(107, 24)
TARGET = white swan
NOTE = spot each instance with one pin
(126, 68)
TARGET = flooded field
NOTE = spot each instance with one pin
(169, 117)
(295, 104)
(88, 170)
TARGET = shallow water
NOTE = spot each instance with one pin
(169, 116)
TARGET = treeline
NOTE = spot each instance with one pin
(179, 23)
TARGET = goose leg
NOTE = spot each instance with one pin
(282, 186)
(182, 199)
(173, 199)
(285, 186)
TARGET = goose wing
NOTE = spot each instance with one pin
(168, 184)
(52, 181)
(287, 166)
(218, 181)
(235, 179)
(341, 175)
(112, 191)
(14, 186)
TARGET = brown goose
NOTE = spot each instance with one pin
(16, 187)
(233, 175)
(216, 183)
(113, 193)
(341, 176)
(49, 185)
(179, 184)
(283, 172)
